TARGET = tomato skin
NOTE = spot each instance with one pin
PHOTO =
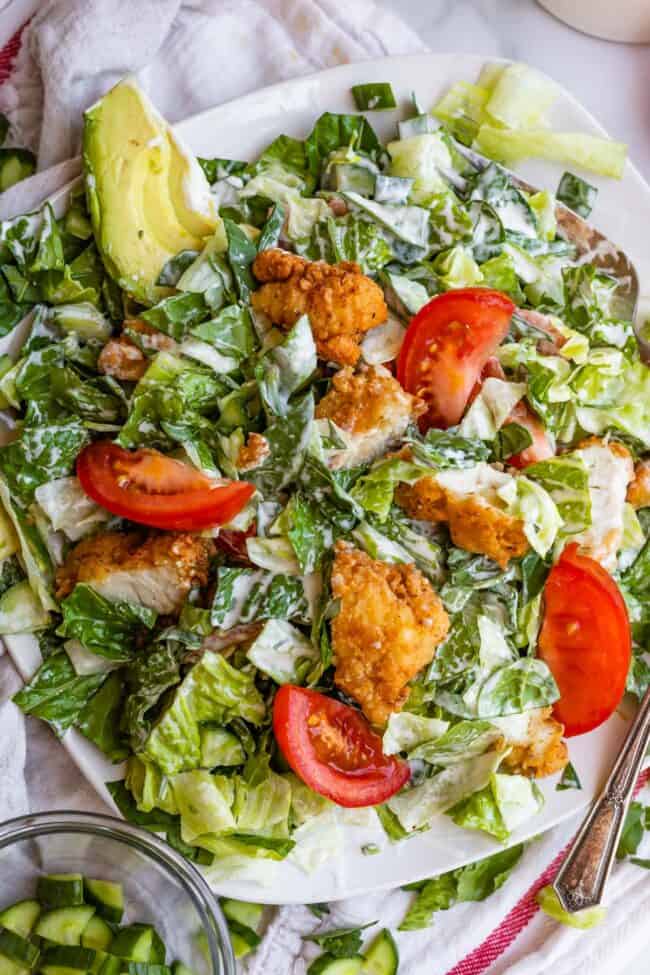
(541, 447)
(585, 639)
(136, 485)
(346, 762)
(446, 346)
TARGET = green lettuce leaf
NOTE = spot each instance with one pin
(108, 628)
(213, 690)
(57, 694)
(249, 595)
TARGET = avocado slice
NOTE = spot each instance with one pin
(147, 195)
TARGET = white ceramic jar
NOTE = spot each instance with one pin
(614, 20)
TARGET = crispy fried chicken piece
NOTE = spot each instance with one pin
(638, 493)
(121, 357)
(156, 572)
(475, 523)
(610, 469)
(539, 750)
(342, 303)
(253, 452)
(371, 406)
(390, 622)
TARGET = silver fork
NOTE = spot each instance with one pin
(580, 882)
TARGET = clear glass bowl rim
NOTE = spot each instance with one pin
(206, 904)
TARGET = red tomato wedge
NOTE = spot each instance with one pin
(333, 749)
(541, 447)
(149, 488)
(585, 640)
(446, 346)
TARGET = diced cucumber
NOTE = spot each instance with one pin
(8, 967)
(111, 965)
(392, 189)
(15, 164)
(136, 943)
(65, 925)
(97, 934)
(60, 889)
(67, 958)
(243, 911)
(100, 958)
(108, 898)
(21, 917)
(328, 965)
(179, 968)
(358, 179)
(382, 957)
(18, 949)
(158, 952)
(144, 968)
(243, 938)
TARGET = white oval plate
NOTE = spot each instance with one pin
(241, 129)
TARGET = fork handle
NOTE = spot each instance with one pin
(581, 880)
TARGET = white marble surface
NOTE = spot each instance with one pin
(612, 80)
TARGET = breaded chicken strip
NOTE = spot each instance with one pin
(371, 406)
(538, 750)
(610, 469)
(253, 453)
(121, 357)
(475, 522)
(157, 572)
(638, 493)
(388, 627)
(342, 303)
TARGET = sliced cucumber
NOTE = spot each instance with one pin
(21, 917)
(18, 949)
(108, 898)
(65, 925)
(100, 958)
(328, 965)
(61, 890)
(21, 612)
(158, 953)
(382, 957)
(67, 958)
(180, 968)
(145, 968)
(242, 938)
(111, 965)
(97, 934)
(135, 943)
(243, 911)
(8, 967)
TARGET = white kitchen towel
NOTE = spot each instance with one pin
(191, 55)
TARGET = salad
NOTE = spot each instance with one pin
(326, 496)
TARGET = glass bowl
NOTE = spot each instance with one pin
(160, 886)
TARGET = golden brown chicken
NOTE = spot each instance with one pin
(371, 406)
(638, 493)
(253, 453)
(341, 302)
(475, 523)
(390, 622)
(539, 750)
(156, 572)
(121, 357)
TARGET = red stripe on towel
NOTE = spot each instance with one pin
(519, 917)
